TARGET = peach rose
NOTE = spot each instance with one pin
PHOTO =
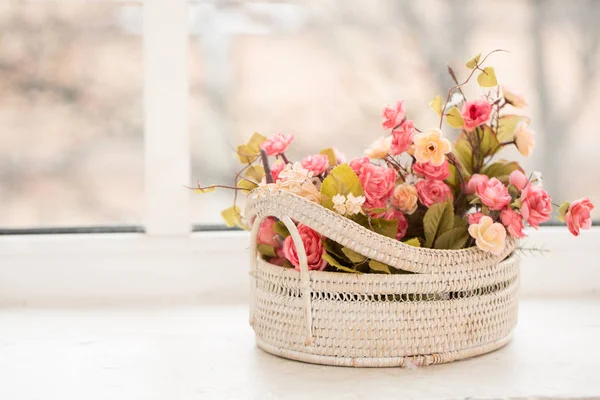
(578, 216)
(431, 192)
(474, 218)
(489, 235)
(317, 163)
(357, 164)
(474, 181)
(393, 116)
(405, 198)
(402, 138)
(536, 205)
(378, 184)
(277, 144)
(396, 215)
(430, 171)
(524, 139)
(475, 113)
(431, 147)
(513, 221)
(513, 98)
(518, 179)
(493, 194)
(313, 245)
(380, 148)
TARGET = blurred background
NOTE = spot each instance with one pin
(71, 126)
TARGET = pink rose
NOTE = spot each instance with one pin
(392, 215)
(402, 138)
(431, 192)
(493, 194)
(267, 234)
(392, 117)
(474, 218)
(518, 179)
(313, 246)
(277, 144)
(475, 113)
(513, 222)
(430, 171)
(276, 168)
(578, 216)
(378, 184)
(317, 163)
(536, 205)
(357, 164)
(475, 180)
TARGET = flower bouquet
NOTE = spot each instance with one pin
(406, 255)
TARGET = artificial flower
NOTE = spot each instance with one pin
(277, 144)
(393, 116)
(298, 180)
(405, 198)
(402, 137)
(313, 246)
(431, 147)
(513, 221)
(524, 139)
(354, 204)
(475, 113)
(378, 184)
(358, 163)
(395, 215)
(493, 194)
(474, 218)
(380, 148)
(276, 169)
(489, 235)
(536, 205)
(430, 171)
(431, 192)
(339, 203)
(578, 215)
(513, 98)
(474, 181)
(518, 179)
(317, 163)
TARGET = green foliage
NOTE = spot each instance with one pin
(353, 256)
(562, 211)
(255, 172)
(487, 78)
(454, 119)
(453, 239)
(233, 217)
(436, 105)
(501, 170)
(341, 180)
(246, 185)
(507, 124)
(330, 153)
(379, 267)
(266, 250)
(335, 263)
(249, 152)
(462, 149)
(473, 62)
(488, 142)
(382, 226)
(438, 219)
(281, 229)
(415, 242)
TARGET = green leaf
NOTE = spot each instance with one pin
(454, 119)
(353, 256)
(256, 140)
(415, 242)
(330, 153)
(460, 222)
(246, 185)
(379, 267)
(233, 217)
(378, 225)
(341, 180)
(266, 250)
(255, 172)
(462, 149)
(453, 239)
(335, 263)
(436, 105)
(501, 170)
(487, 78)
(438, 219)
(281, 229)
(562, 211)
(249, 152)
(473, 62)
(205, 190)
(489, 144)
(507, 124)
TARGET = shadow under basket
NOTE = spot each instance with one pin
(457, 304)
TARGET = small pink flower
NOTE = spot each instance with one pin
(493, 194)
(578, 216)
(378, 184)
(317, 163)
(277, 144)
(476, 113)
(276, 168)
(474, 218)
(267, 234)
(392, 215)
(430, 171)
(402, 138)
(513, 221)
(392, 117)
(536, 205)
(475, 180)
(313, 246)
(358, 163)
(431, 192)
(518, 179)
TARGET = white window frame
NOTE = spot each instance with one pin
(169, 263)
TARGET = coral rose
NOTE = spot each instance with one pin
(489, 235)
(475, 113)
(313, 245)
(405, 198)
(317, 163)
(430, 171)
(518, 179)
(431, 192)
(396, 215)
(393, 116)
(536, 205)
(513, 221)
(493, 194)
(357, 164)
(578, 216)
(277, 144)
(474, 181)
(431, 147)
(402, 138)
(267, 234)
(524, 139)
(474, 218)
(377, 183)
(380, 148)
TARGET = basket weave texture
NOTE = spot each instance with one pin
(457, 303)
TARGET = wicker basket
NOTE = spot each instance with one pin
(458, 303)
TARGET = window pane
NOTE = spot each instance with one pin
(324, 71)
(70, 114)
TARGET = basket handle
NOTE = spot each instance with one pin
(304, 271)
